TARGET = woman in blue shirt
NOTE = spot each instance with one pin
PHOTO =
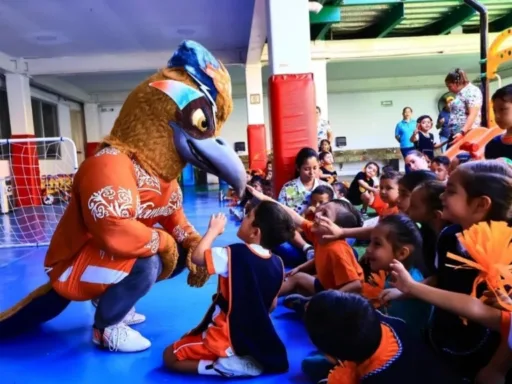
(403, 132)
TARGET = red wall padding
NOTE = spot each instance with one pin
(25, 172)
(90, 149)
(257, 143)
(293, 118)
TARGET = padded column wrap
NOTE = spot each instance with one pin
(257, 143)
(25, 172)
(293, 121)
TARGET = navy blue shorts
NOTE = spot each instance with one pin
(318, 286)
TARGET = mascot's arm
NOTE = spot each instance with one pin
(185, 234)
(109, 201)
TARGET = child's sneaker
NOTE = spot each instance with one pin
(131, 318)
(296, 303)
(120, 338)
(236, 366)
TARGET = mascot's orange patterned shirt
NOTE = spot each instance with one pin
(114, 205)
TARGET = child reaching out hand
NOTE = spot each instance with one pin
(334, 264)
(237, 337)
(469, 308)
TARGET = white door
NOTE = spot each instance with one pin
(78, 133)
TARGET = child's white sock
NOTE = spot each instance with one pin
(205, 367)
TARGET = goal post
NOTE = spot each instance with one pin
(36, 175)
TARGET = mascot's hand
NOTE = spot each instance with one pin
(169, 256)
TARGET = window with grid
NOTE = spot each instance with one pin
(5, 125)
(46, 124)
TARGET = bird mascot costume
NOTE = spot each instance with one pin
(107, 247)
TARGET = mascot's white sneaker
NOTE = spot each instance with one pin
(236, 366)
(120, 338)
(132, 318)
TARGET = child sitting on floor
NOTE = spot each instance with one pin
(340, 190)
(466, 307)
(440, 166)
(366, 346)
(327, 168)
(237, 337)
(320, 195)
(335, 264)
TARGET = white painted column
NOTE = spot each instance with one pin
(254, 93)
(319, 69)
(64, 118)
(20, 104)
(288, 35)
(92, 122)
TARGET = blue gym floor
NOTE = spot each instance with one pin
(61, 351)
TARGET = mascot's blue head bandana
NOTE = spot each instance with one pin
(195, 58)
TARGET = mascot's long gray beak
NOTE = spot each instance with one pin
(213, 155)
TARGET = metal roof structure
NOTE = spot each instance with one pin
(360, 19)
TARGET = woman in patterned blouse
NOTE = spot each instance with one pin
(324, 131)
(465, 109)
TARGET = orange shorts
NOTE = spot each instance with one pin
(191, 347)
(91, 273)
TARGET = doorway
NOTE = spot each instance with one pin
(78, 133)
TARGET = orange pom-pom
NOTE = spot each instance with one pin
(489, 245)
(344, 374)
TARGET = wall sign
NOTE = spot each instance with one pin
(254, 98)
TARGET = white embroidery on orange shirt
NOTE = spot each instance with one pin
(108, 202)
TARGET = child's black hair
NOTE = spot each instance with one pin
(388, 168)
(416, 153)
(442, 160)
(256, 179)
(340, 188)
(322, 155)
(274, 222)
(303, 155)
(414, 178)
(433, 190)
(491, 178)
(376, 165)
(322, 142)
(421, 118)
(324, 190)
(343, 325)
(463, 157)
(390, 175)
(404, 232)
(347, 216)
(504, 94)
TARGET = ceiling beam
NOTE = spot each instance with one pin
(320, 30)
(258, 35)
(61, 87)
(393, 47)
(501, 24)
(328, 15)
(451, 20)
(377, 2)
(386, 23)
(123, 62)
(11, 64)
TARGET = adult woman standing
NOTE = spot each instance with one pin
(323, 128)
(403, 132)
(465, 109)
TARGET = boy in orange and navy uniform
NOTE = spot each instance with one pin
(368, 347)
(237, 337)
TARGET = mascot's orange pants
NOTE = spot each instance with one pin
(91, 273)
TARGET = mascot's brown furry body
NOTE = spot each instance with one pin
(105, 247)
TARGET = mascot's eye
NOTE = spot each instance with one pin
(199, 120)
